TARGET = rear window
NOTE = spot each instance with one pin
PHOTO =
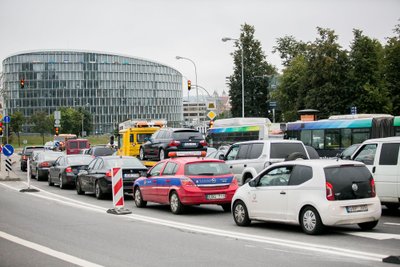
(73, 145)
(124, 163)
(187, 135)
(283, 150)
(349, 181)
(207, 168)
(83, 144)
(79, 160)
(103, 151)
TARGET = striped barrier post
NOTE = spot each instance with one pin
(117, 185)
(28, 178)
(8, 166)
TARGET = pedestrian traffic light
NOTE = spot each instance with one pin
(189, 85)
(211, 124)
(22, 83)
(56, 130)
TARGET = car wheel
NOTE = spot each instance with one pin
(226, 207)
(139, 202)
(97, 190)
(61, 183)
(49, 181)
(176, 205)
(310, 221)
(392, 206)
(37, 175)
(240, 214)
(141, 154)
(78, 186)
(161, 154)
(368, 225)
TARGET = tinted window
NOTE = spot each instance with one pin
(243, 151)
(73, 145)
(103, 151)
(82, 144)
(170, 169)
(187, 135)
(283, 150)
(256, 150)
(349, 182)
(206, 168)
(141, 137)
(389, 154)
(276, 177)
(300, 174)
(366, 154)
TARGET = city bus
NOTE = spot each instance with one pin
(331, 136)
(228, 131)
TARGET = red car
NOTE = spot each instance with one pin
(183, 181)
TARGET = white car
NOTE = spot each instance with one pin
(312, 193)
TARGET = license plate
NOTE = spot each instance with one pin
(215, 196)
(360, 208)
(190, 144)
(131, 175)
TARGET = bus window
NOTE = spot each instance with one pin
(360, 135)
(318, 138)
(332, 139)
(306, 137)
(345, 141)
(131, 138)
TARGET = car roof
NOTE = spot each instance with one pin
(320, 162)
(270, 141)
(186, 160)
(393, 139)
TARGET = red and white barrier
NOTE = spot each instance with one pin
(117, 185)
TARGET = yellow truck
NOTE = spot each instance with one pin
(134, 133)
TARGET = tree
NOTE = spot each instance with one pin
(289, 48)
(17, 119)
(255, 67)
(42, 123)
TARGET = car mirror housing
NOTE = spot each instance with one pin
(221, 157)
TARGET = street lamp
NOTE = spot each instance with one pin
(225, 39)
(197, 90)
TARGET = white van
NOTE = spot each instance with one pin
(382, 158)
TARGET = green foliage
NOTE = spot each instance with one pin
(17, 119)
(71, 120)
(42, 123)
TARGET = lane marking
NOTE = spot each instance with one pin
(377, 236)
(49, 251)
(223, 233)
(389, 223)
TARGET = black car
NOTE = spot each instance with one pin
(26, 152)
(65, 169)
(168, 140)
(97, 176)
(41, 163)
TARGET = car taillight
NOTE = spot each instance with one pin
(329, 192)
(187, 182)
(24, 157)
(203, 143)
(372, 183)
(234, 181)
(68, 169)
(44, 164)
(174, 143)
(108, 175)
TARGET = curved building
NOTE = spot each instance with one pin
(113, 88)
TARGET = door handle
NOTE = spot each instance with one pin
(283, 193)
(231, 167)
(373, 169)
(245, 165)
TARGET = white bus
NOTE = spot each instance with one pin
(229, 131)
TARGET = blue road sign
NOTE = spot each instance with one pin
(8, 150)
(7, 119)
(57, 144)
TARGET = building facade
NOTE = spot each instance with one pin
(113, 88)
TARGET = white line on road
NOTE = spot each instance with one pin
(388, 223)
(377, 236)
(235, 235)
(48, 251)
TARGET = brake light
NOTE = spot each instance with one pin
(187, 182)
(174, 143)
(24, 157)
(203, 143)
(108, 174)
(44, 164)
(329, 192)
(68, 169)
(372, 183)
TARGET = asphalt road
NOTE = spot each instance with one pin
(56, 227)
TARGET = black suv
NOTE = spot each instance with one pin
(167, 140)
(26, 152)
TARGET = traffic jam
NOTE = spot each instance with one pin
(273, 179)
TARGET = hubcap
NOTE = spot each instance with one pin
(97, 190)
(137, 197)
(309, 220)
(141, 154)
(239, 213)
(161, 154)
(174, 202)
(61, 182)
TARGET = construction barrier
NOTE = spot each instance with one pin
(117, 192)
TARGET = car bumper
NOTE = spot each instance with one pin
(198, 196)
(69, 179)
(336, 212)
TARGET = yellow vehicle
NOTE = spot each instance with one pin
(134, 133)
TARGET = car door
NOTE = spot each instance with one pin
(152, 144)
(96, 173)
(237, 160)
(84, 176)
(268, 197)
(149, 189)
(55, 169)
(165, 181)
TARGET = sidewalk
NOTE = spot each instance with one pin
(12, 175)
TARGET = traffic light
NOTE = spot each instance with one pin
(189, 85)
(56, 130)
(22, 83)
(211, 124)
(1, 129)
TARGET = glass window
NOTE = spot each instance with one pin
(156, 170)
(243, 151)
(232, 153)
(389, 154)
(283, 150)
(360, 135)
(346, 138)
(305, 137)
(92, 163)
(300, 174)
(256, 150)
(366, 154)
(170, 168)
(207, 168)
(318, 139)
(276, 177)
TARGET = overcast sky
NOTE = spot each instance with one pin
(159, 30)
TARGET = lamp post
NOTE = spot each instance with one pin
(225, 39)
(197, 90)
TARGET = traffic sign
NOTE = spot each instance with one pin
(57, 144)
(56, 121)
(7, 119)
(8, 150)
(211, 115)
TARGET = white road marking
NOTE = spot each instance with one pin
(377, 236)
(228, 234)
(49, 251)
(388, 223)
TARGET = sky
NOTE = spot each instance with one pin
(160, 30)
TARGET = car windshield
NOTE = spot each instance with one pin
(123, 163)
(79, 160)
(206, 168)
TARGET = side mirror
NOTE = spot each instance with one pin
(221, 157)
(253, 183)
(143, 173)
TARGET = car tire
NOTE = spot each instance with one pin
(240, 214)
(141, 154)
(49, 181)
(226, 207)
(78, 186)
(310, 221)
(61, 183)
(139, 202)
(38, 176)
(161, 154)
(368, 225)
(392, 206)
(175, 204)
(295, 155)
(97, 191)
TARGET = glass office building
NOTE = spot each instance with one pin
(113, 88)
